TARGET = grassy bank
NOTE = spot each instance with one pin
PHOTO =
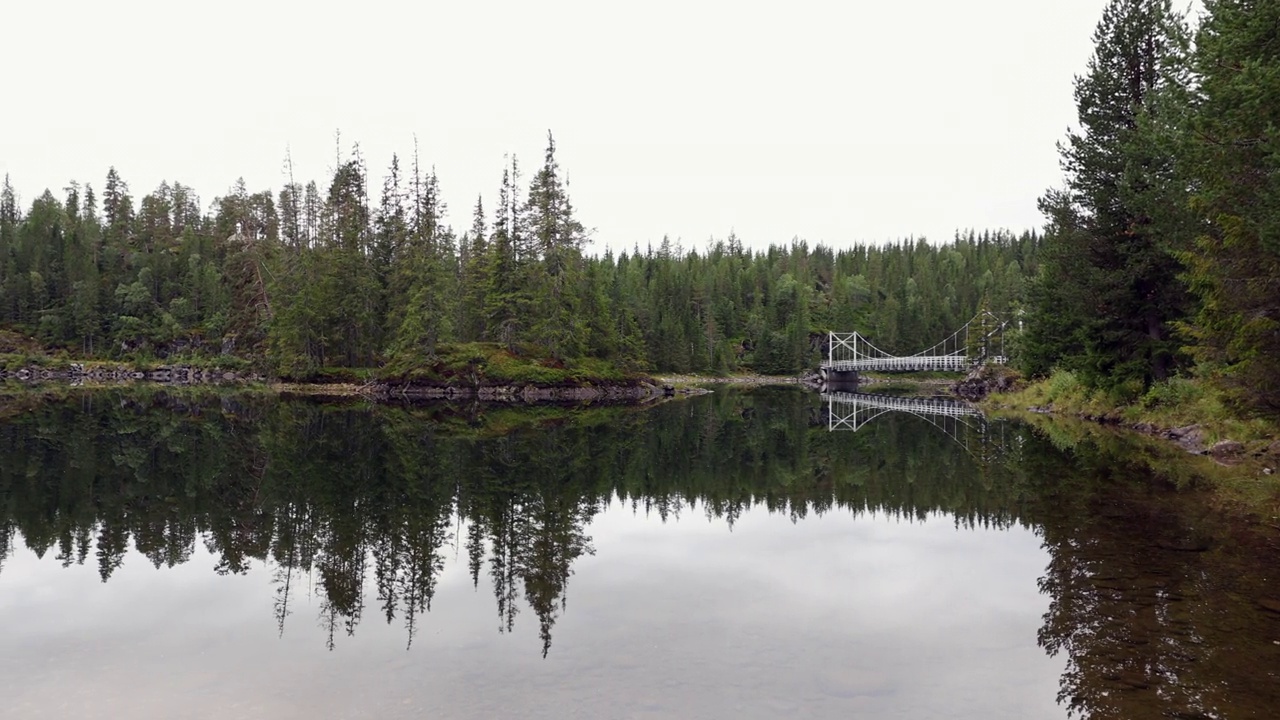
(459, 364)
(1176, 403)
(1245, 477)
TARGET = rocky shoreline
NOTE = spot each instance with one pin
(632, 391)
(639, 391)
(78, 374)
(983, 381)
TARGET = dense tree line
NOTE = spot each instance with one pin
(1162, 253)
(314, 277)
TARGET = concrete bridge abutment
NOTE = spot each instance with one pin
(839, 378)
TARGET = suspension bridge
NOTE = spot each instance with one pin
(959, 420)
(979, 341)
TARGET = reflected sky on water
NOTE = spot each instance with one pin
(836, 614)
(168, 555)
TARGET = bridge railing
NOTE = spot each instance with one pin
(957, 363)
(979, 341)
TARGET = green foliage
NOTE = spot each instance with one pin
(1176, 402)
(1063, 384)
(1174, 392)
(1161, 248)
(476, 364)
(317, 278)
(1108, 296)
(1234, 265)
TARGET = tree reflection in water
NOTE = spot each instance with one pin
(1151, 603)
(1158, 603)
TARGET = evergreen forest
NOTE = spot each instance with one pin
(1160, 257)
(309, 278)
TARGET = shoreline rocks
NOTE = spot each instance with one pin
(78, 374)
(983, 381)
(522, 393)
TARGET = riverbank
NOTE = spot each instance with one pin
(1186, 414)
(490, 372)
(1181, 409)
(466, 372)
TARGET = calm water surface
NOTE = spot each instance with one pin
(726, 556)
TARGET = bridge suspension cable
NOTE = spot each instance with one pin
(981, 340)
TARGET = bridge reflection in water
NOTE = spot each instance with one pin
(961, 421)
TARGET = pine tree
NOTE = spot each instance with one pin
(247, 228)
(390, 246)
(82, 322)
(353, 327)
(428, 313)
(117, 208)
(290, 204)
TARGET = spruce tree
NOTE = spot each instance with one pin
(507, 300)
(1109, 294)
(474, 278)
(8, 251)
(557, 238)
(428, 264)
(390, 244)
(351, 326)
(1234, 267)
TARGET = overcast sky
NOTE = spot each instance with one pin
(835, 122)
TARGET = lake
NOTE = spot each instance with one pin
(169, 554)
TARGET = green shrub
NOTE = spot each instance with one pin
(496, 363)
(1172, 393)
(1062, 384)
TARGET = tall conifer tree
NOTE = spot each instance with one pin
(1235, 264)
(1109, 292)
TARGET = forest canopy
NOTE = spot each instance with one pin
(324, 275)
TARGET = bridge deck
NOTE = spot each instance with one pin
(953, 363)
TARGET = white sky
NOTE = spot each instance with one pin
(835, 122)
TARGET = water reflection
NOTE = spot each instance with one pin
(1159, 606)
(852, 410)
(350, 493)
(360, 511)
(961, 421)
